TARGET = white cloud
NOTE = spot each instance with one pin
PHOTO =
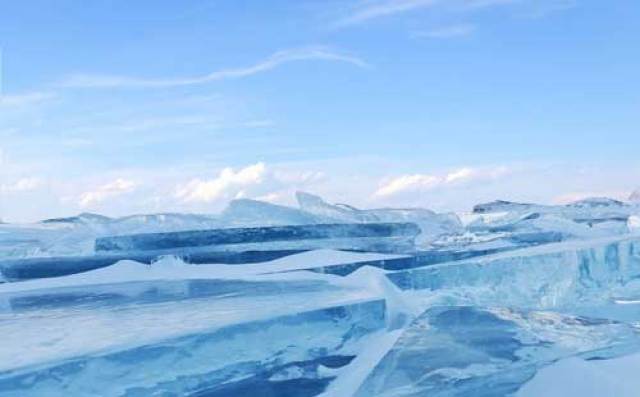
(417, 182)
(228, 182)
(460, 175)
(109, 190)
(21, 185)
(277, 59)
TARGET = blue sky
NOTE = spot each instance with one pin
(120, 107)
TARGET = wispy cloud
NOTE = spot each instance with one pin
(417, 182)
(21, 185)
(275, 60)
(366, 11)
(447, 32)
(376, 9)
(160, 122)
(407, 182)
(109, 190)
(26, 99)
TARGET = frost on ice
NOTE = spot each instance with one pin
(324, 299)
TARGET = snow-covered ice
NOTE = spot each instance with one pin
(586, 378)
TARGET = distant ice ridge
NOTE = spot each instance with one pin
(75, 235)
(499, 224)
(432, 225)
(590, 211)
(504, 223)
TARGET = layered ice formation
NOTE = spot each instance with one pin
(179, 337)
(324, 299)
(270, 236)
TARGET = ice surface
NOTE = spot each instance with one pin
(562, 275)
(173, 269)
(586, 378)
(504, 301)
(39, 267)
(231, 245)
(204, 355)
(123, 334)
(472, 351)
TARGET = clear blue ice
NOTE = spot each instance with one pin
(323, 299)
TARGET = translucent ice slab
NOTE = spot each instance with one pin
(261, 235)
(174, 338)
